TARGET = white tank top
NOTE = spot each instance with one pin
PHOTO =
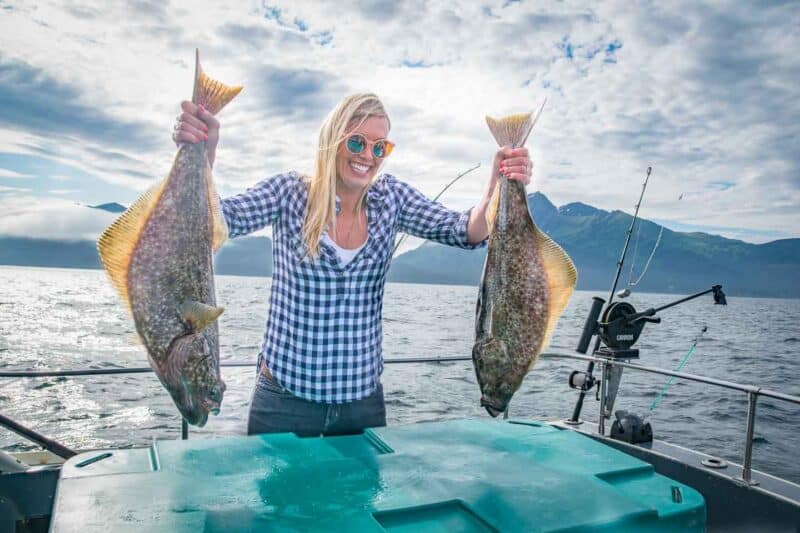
(345, 255)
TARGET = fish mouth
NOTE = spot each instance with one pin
(492, 409)
(200, 417)
(196, 413)
(212, 407)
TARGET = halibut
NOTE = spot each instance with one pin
(158, 255)
(526, 283)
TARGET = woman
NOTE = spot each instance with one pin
(333, 234)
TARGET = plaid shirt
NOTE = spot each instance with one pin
(323, 333)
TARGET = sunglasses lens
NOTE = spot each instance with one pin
(382, 149)
(356, 144)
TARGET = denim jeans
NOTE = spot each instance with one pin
(273, 409)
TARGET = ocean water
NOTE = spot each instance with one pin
(60, 319)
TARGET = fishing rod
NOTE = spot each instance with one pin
(589, 326)
(403, 238)
(45, 442)
(628, 237)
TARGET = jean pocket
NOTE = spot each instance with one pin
(269, 384)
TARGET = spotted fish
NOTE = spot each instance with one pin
(158, 255)
(526, 284)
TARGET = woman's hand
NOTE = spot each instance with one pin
(195, 124)
(513, 163)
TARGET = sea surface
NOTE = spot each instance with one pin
(70, 319)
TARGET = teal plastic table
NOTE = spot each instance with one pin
(458, 475)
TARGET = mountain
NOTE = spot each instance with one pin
(113, 207)
(22, 251)
(251, 256)
(682, 263)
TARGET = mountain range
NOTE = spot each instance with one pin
(681, 262)
(593, 238)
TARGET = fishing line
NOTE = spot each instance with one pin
(678, 369)
(649, 259)
(403, 238)
(635, 252)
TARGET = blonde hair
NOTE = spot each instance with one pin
(321, 206)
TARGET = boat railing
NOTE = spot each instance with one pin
(753, 392)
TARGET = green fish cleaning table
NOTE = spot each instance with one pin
(458, 475)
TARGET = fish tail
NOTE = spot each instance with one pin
(513, 130)
(210, 93)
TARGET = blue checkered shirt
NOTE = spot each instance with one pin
(323, 333)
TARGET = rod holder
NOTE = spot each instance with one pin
(589, 330)
(752, 397)
(590, 326)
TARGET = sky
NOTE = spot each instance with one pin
(706, 93)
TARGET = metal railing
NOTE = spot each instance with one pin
(753, 392)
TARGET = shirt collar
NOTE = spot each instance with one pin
(374, 195)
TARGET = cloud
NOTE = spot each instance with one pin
(10, 174)
(27, 216)
(302, 94)
(6, 189)
(33, 101)
(705, 93)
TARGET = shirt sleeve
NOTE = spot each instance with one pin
(257, 207)
(422, 217)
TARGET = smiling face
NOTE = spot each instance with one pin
(355, 171)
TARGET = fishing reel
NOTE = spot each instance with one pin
(620, 327)
(617, 326)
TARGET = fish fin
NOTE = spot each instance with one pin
(513, 130)
(134, 340)
(494, 205)
(219, 228)
(483, 308)
(199, 315)
(210, 93)
(118, 241)
(561, 278)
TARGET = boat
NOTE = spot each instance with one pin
(455, 475)
(511, 474)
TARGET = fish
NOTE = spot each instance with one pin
(526, 283)
(158, 254)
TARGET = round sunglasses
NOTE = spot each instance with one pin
(357, 143)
